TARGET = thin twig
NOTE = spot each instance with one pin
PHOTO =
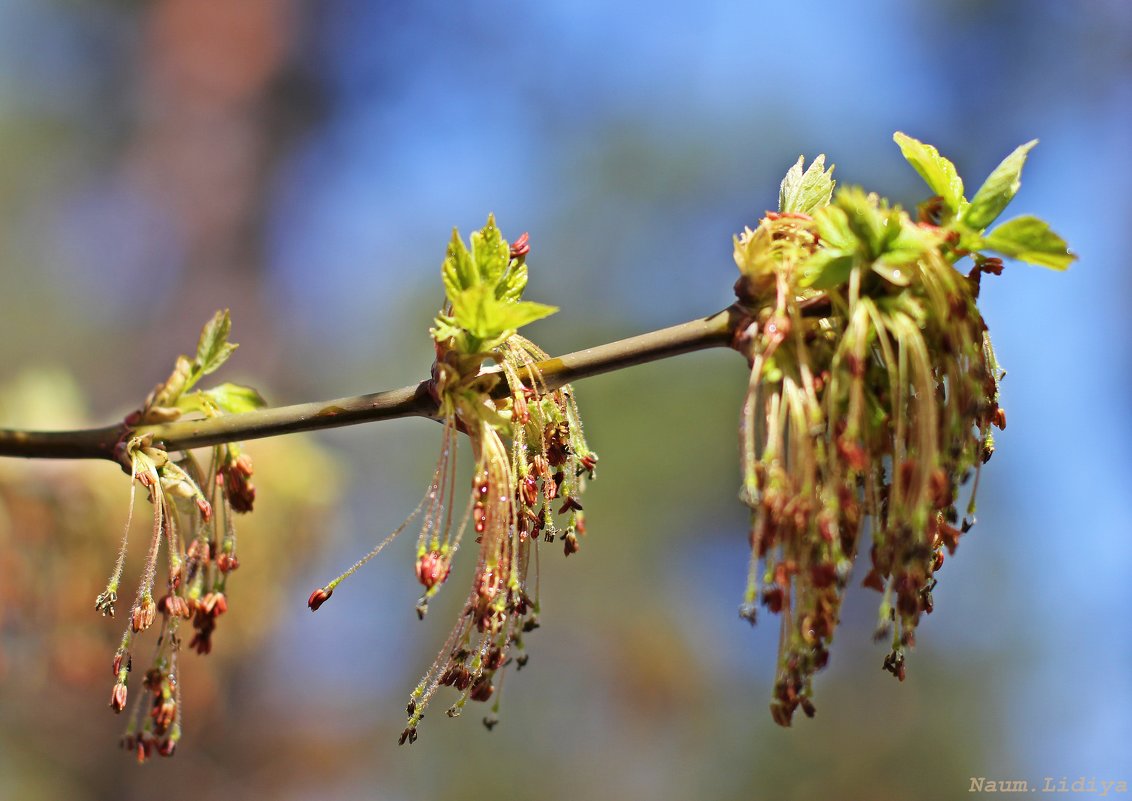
(412, 401)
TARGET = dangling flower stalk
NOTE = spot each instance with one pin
(197, 573)
(528, 453)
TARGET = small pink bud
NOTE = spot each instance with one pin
(521, 246)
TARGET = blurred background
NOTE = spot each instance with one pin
(303, 164)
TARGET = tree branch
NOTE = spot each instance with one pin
(717, 330)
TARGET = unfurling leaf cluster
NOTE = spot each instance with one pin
(1026, 238)
(175, 395)
(483, 285)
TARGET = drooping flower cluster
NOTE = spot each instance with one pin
(530, 459)
(193, 508)
(872, 394)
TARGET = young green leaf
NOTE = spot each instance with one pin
(472, 310)
(235, 399)
(833, 228)
(513, 284)
(938, 172)
(827, 269)
(513, 316)
(753, 252)
(1029, 239)
(490, 252)
(998, 190)
(895, 273)
(864, 218)
(445, 328)
(806, 192)
(458, 271)
(213, 349)
(486, 317)
(910, 242)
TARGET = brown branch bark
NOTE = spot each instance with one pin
(718, 330)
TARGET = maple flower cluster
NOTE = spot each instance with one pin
(530, 465)
(872, 394)
(193, 509)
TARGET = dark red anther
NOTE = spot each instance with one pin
(142, 615)
(528, 488)
(463, 678)
(318, 598)
(569, 505)
(940, 488)
(772, 599)
(481, 689)
(485, 585)
(202, 642)
(823, 575)
(853, 454)
(163, 713)
(176, 606)
(118, 697)
(808, 707)
(214, 604)
(494, 659)
(827, 526)
(949, 535)
(520, 413)
(874, 581)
